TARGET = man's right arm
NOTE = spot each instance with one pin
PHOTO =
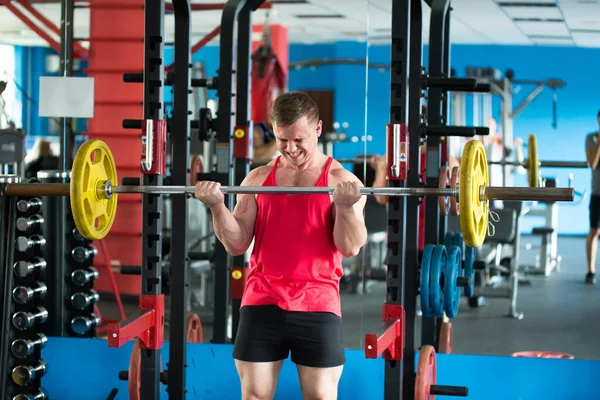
(234, 229)
(592, 151)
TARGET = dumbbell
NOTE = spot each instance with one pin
(81, 300)
(25, 319)
(81, 325)
(23, 269)
(33, 241)
(82, 254)
(38, 395)
(22, 375)
(82, 276)
(77, 236)
(29, 224)
(21, 348)
(31, 205)
(24, 294)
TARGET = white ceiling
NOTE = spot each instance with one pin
(521, 22)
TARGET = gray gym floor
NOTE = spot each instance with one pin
(561, 313)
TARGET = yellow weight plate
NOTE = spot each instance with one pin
(473, 211)
(93, 213)
(533, 162)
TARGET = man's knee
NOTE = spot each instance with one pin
(319, 392)
(259, 380)
(253, 390)
(319, 383)
(594, 233)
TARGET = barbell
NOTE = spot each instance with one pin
(93, 195)
(533, 164)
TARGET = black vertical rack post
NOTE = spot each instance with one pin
(152, 204)
(180, 145)
(228, 71)
(242, 145)
(434, 230)
(403, 212)
(66, 69)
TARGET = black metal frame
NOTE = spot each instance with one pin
(403, 212)
(180, 145)
(233, 10)
(152, 204)
(435, 223)
(242, 118)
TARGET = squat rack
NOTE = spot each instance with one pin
(407, 81)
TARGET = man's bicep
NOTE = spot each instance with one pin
(245, 211)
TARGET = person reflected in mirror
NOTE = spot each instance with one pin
(592, 152)
(291, 301)
(264, 144)
(40, 158)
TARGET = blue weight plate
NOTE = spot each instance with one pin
(448, 240)
(452, 270)
(459, 241)
(425, 274)
(436, 300)
(470, 253)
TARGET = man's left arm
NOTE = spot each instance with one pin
(349, 230)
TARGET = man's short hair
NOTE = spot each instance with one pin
(290, 107)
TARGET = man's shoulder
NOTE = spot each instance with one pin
(257, 175)
(341, 174)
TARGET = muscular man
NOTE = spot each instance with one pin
(592, 151)
(291, 302)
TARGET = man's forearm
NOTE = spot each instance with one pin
(228, 230)
(349, 233)
(380, 182)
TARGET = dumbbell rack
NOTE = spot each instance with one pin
(70, 278)
(22, 366)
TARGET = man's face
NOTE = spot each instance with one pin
(299, 141)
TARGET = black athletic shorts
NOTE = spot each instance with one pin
(268, 333)
(595, 211)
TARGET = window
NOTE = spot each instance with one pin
(10, 105)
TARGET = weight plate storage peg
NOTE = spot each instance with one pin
(436, 299)
(425, 278)
(426, 387)
(445, 346)
(452, 270)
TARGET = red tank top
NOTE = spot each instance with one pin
(295, 263)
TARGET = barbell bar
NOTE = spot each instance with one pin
(549, 164)
(486, 193)
(93, 195)
(533, 163)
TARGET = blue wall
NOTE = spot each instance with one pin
(577, 103)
